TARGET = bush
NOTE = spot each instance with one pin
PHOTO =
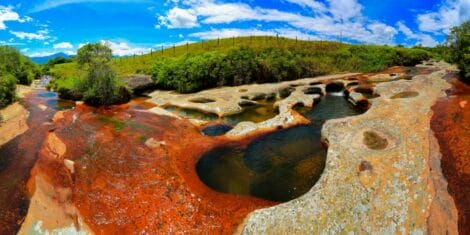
(21, 67)
(7, 90)
(102, 88)
(191, 73)
(459, 43)
(99, 85)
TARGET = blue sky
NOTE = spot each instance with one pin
(41, 27)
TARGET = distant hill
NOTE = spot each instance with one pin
(44, 59)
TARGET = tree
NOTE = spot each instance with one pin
(459, 43)
(95, 53)
(14, 63)
(7, 89)
(100, 85)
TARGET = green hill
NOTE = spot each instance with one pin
(273, 59)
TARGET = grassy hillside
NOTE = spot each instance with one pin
(270, 56)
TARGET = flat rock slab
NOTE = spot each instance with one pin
(382, 172)
(12, 122)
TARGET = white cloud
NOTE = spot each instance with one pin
(25, 19)
(345, 9)
(7, 14)
(123, 49)
(179, 18)
(422, 39)
(405, 30)
(50, 4)
(39, 35)
(312, 4)
(336, 19)
(226, 33)
(63, 45)
(234, 32)
(451, 13)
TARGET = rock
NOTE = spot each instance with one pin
(246, 103)
(355, 97)
(70, 165)
(462, 103)
(384, 180)
(257, 96)
(139, 83)
(13, 122)
(153, 143)
(55, 146)
(42, 107)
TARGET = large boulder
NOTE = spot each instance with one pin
(139, 83)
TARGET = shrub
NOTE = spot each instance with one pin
(7, 89)
(69, 88)
(21, 67)
(459, 43)
(102, 88)
(99, 86)
(243, 66)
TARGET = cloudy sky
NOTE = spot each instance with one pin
(41, 27)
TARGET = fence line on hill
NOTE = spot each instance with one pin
(209, 45)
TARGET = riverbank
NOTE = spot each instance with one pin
(125, 169)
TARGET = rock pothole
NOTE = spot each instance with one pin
(374, 141)
(201, 100)
(312, 90)
(365, 166)
(334, 87)
(285, 92)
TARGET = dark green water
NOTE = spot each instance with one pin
(263, 111)
(329, 107)
(278, 166)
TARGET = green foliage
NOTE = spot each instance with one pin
(68, 88)
(46, 68)
(459, 44)
(98, 84)
(101, 87)
(7, 89)
(190, 73)
(94, 53)
(14, 63)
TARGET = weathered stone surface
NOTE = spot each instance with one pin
(391, 188)
(355, 97)
(139, 82)
(49, 199)
(227, 98)
(232, 100)
(12, 122)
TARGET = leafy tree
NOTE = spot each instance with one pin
(99, 85)
(92, 54)
(7, 89)
(14, 63)
(459, 43)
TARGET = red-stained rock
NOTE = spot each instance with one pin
(451, 125)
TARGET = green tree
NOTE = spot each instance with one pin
(459, 43)
(100, 85)
(14, 63)
(7, 89)
(95, 53)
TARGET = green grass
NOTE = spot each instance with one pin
(143, 63)
(236, 61)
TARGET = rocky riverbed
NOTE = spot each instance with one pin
(132, 168)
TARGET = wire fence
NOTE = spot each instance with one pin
(225, 44)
